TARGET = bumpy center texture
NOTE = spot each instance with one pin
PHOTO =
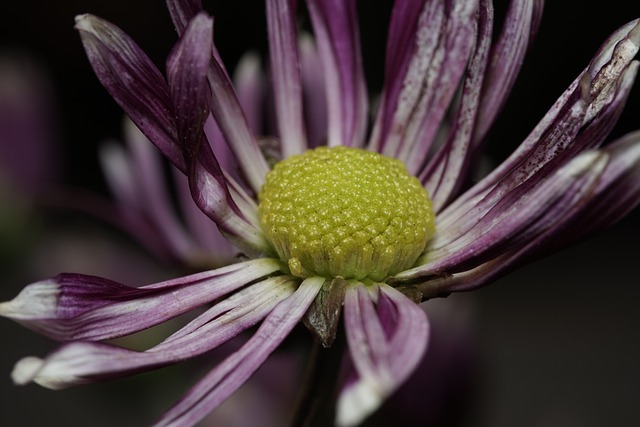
(345, 212)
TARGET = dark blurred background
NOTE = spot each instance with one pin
(557, 341)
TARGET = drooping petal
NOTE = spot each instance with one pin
(443, 175)
(507, 56)
(561, 134)
(85, 362)
(386, 343)
(133, 81)
(227, 377)
(285, 73)
(336, 29)
(80, 307)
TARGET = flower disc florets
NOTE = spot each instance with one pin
(345, 212)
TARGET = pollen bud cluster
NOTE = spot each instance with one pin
(345, 212)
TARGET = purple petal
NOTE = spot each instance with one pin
(227, 377)
(386, 345)
(230, 118)
(507, 56)
(249, 81)
(74, 306)
(183, 11)
(85, 362)
(442, 46)
(187, 68)
(314, 91)
(560, 135)
(133, 81)
(336, 30)
(444, 174)
(285, 73)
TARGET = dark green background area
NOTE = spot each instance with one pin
(557, 341)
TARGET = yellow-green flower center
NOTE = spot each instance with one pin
(345, 212)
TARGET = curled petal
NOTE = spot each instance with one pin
(385, 342)
(336, 30)
(133, 81)
(85, 362)
(183, 11)
(79, 307)
(227, 377)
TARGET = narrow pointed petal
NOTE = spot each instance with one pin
(444, 174)
(615, 194)
(183, 11)
(85, 362)
(441, 50)
(336, 29)
(230, 118)
(507, 56)
(385, 342)
(518, 218)
(587, 106)
(227, 377)
(250, 84)
(133, 81)
(187, 68)
(315, 99)
(79, 307)
(285, 73)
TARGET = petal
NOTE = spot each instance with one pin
(441, 49)
(507, 56)
(616, 193)
(227, 377)
(230, 118)
(285, 73)
(315, 100)
(249, 81)
(386, 344)
(79, 307)
(187, 68)
(183, 11)
(336, 30)
(133, 81)
(559, 136)
(85, 362)
(444, 174)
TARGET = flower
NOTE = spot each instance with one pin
(317, 253)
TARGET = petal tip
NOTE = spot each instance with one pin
(26, 370)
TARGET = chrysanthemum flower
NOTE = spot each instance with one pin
(360, 230)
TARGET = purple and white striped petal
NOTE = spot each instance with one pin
(387, 338)
(227, 377)
(616, 193)
(507, 56)
(133, 81)
(596, 93)
(85, 362)
(285, 74)
(444, 174)
(336, 29)
(442, 47)
(79, 307)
